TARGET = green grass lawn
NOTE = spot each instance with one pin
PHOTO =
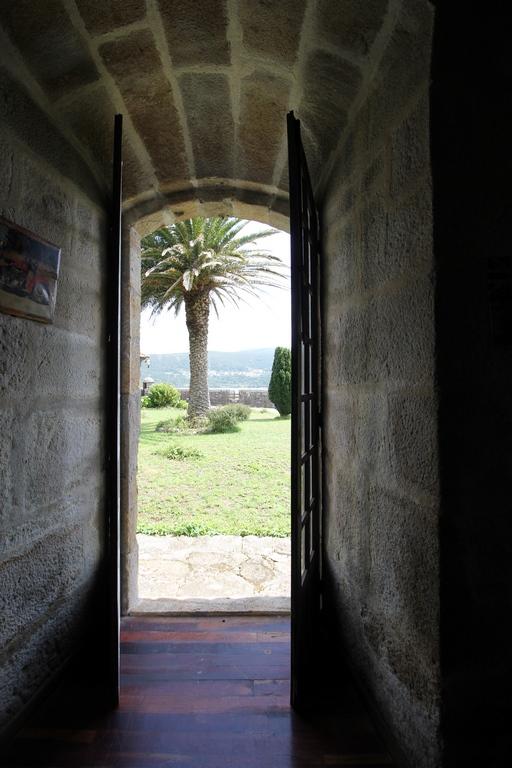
(239, 485)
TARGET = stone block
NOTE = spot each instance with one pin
(66, 365)
(42, 648)
(263, 105)
(324, 108)
(399, 241)
(390, 337)
(135, 64)
(101, 17)
(404, 69)
(412, 441)
(130, 428)
(16, 356)
(33, 29)
(196, 32)
(410, 147)
(207, 102)
(158, 124)
(47, 208)
(63, 449)
(404, 585)
(341, 268)
(132, 59)
(92, 120)
(272, 32)
(7, 476)
(10, 170)
(343, 345)
(400, 334)
(137, 178)
(350, 26)
(84, 316)
(21, 114)
(378, 265)
(35, 579)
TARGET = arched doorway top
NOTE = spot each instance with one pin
(220, 199)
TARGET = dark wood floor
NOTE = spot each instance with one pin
(200, 693)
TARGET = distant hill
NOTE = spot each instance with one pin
(235, 370)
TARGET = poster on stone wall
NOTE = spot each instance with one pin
(29, 270)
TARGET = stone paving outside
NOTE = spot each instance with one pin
(213, 574)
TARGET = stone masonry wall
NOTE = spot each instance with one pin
(256, 398)
(381, 495)
(51, 431)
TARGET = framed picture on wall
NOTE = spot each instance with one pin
(29, 270)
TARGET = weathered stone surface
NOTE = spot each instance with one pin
(213, 573)
(92, 120)
(410, 156)
(63, 446)
(33, 29)
(16, 350)
(196, 32)
(7, 422)
(132, 59)
(101, 16)
(33, 581)
(273, 35)
(79, 317)
(137, 179)
(381, 442)
(135, 64)
(350, 25)
(263, 105)
(207, 102)
(50, 391)
(20, 114)
(404, 69)
(324, 107)
(40, 650)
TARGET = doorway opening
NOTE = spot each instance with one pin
(209, 521)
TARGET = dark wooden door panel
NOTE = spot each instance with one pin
(113, 420)
(306, 437)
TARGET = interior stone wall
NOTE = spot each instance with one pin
(51, 425)
(380, 419)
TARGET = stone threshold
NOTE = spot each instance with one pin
(213, 575)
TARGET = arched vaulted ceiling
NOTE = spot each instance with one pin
(204, 87)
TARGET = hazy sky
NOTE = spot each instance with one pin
(258, 322)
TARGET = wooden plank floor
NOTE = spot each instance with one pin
(200, 693)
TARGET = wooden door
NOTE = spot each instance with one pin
(306, 437)
(113, 421)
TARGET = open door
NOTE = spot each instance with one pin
(306, 438)
(113, 421)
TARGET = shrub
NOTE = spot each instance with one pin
(144, 402)
(240, 411)
(182, 425)
(221, 420)
(161, 395)
(182, 404)
(179, 424)
(280, 386)
(179, 453)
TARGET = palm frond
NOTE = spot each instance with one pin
(206, 256)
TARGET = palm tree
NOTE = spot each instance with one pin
(200, 263)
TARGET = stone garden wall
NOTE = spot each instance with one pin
(256, 398)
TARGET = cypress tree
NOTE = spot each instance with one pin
(280, 387)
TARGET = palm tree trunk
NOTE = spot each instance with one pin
(197, 310)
